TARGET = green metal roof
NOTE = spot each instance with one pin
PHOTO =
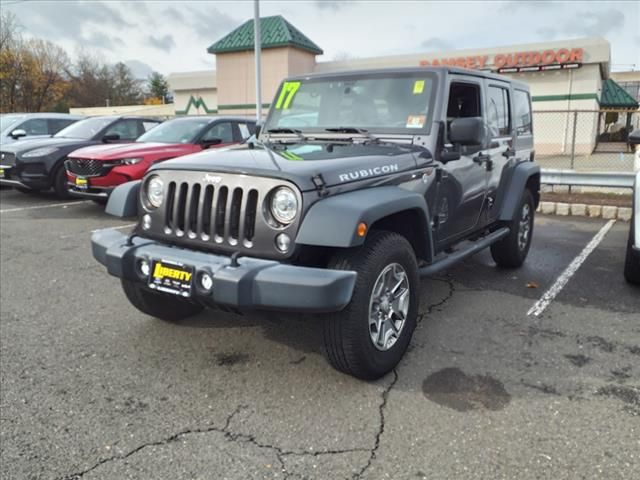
(274, 32)
(614, 96)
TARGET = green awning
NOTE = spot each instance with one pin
(274, 31)
(615, 97)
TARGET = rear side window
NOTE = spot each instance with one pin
(246, 130)
(57, 124)
(149, 125)
(35, 126)
(498, 111)
(522, 107)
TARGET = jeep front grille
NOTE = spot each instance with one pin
(85, 167)
(218, 213)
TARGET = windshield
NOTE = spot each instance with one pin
(180, 130)
(85, 129)
(7, 120)
(395, 102)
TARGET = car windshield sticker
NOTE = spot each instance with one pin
(290, 155)
(416, 121)
(287, 93)
(418, 87)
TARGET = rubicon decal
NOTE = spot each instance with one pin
(368, 172)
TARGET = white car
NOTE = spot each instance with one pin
(632, 262)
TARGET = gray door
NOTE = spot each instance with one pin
(462, 191)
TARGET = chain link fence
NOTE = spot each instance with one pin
(585, 140)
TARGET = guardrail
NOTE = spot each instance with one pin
(587, 179)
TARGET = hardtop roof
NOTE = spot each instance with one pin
(439, 70)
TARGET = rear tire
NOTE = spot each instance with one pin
(632, 260)
(369, 337)
(512, 250)
(60, 182)
(158, 305)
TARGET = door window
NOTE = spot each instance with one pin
(126, 129)
(498, 111)
(35, 126)
(464, 102)
(522, 112)
(57, 124)
(222, 130)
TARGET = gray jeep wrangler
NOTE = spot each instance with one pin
(358, 184)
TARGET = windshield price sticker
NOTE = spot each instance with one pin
(416, 121)
(287, 93)
(418, 87)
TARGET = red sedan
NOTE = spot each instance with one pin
(93, 172)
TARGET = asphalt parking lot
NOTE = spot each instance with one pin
(92, 389)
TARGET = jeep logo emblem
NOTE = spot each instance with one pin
(213, 179)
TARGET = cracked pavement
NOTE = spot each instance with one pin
(93, 389)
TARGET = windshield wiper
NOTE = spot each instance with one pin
(361, 131)
(285, 130)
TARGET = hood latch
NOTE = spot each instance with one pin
(320, 184)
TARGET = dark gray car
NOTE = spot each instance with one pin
(34, 165)
(27, 126)
(358, 184)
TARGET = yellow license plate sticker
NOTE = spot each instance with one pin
(171, 277)
(81, 182)
(1, 172)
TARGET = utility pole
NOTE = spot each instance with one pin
(257, 45)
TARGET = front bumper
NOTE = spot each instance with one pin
(93, 193)
(12, 177)
(253, 284)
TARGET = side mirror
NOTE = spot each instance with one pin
(467, 131)
(18, 133)
(257, 130)
(210, 142)
(449, 156)
(634, 137)
(111, 137)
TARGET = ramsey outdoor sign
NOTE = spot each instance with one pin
(531, 61)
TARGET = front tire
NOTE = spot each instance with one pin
(512, 250)
(370, 335)
(60, 183)
(632, 260)
(158, 305)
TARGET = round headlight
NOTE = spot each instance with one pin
(155, 191)
(284, 205)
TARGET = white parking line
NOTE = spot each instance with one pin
(573, 267)
(49, 205)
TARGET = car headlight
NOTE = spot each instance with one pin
(155, 191)
(131, 161)
(40, 152)
(284, 205)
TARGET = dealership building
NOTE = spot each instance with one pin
(564, 77)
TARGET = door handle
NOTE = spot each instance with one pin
(483, 158)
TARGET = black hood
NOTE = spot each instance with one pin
(338, 163)
(59, 142)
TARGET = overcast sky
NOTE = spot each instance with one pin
(172, 36)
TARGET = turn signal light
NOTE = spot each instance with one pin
(362, 229)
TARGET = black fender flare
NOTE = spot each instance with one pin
(522, 174)
(123, 201)
(332, 222)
